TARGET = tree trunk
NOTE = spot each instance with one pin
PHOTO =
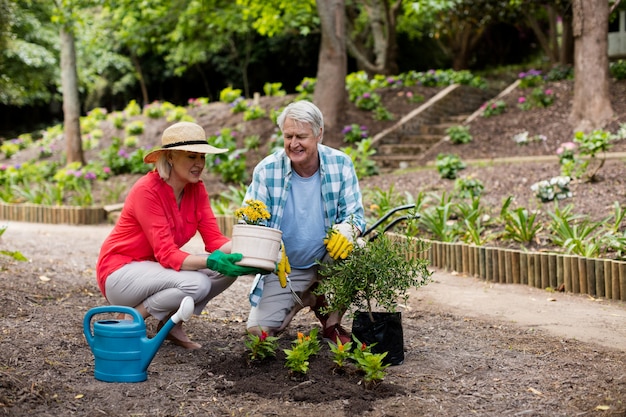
(566, 56)
(71, 103)
(591, 106)
(142, 81)
(330, 90)
(382, 29)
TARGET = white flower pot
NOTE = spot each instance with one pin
(259, 245)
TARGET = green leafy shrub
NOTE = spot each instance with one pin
(354, 133)
(560, 72)
(459, 134)
(468, 187)
(135, 127)
(229, 94)
(306, 88)
(531, 78)
(448, 166)
(274, 89)
(361, 158)
(253, 113)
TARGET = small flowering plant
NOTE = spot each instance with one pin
(254, 212)
(354, 133)
(554, 188)
(261, 347)
(301, 350)
(493, 108)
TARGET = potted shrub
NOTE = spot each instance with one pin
(370, 283)
(258, 243)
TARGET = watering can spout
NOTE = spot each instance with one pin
(184, 313)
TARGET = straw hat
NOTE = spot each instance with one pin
(183, 136)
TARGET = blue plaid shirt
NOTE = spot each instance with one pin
(340, 187)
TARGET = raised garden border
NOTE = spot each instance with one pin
(38, 213)
(597, 277)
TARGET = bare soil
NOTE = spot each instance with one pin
(472, 348)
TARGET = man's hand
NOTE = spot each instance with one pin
(283, 268)
(340, 241)
(226, 264)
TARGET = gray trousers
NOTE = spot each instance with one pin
(160, 289)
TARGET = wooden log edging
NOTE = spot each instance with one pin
(38, 213)
(597, 277)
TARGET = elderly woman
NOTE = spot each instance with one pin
(141, 263)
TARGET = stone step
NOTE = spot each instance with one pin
(390, 162)
(411, 139)
(403, 149)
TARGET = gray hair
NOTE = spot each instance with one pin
(163, 166)
(303, 112)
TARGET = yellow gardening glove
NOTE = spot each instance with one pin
(339, 242)
(283, 268)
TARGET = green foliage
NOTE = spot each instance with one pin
(437, 220)
(530, 79)
(354, 133)
(560, 72)
(381, 272)
(493, 108)
(261, 347)
(229, 94)
(121, 161)
(573, 232)
(252, 113)
(274, 89)
(459, 134)
(468, 187)
(368, 101)
(448, 166)
(240, 105)
(361, 158)
(297, 358)
(618, 69)
(306, 88)
(232, 165)
(575, 158)
(520, 225)
(132, 109)
(556, 187)
(136, 127)
(381, 113)
(472, 216)
(29, 57)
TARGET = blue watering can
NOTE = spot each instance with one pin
(121, 348)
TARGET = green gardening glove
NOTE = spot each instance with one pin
(225, 264)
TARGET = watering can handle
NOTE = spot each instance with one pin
(106, 309)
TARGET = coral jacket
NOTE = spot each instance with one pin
(151, 227)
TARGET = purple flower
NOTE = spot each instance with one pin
(346, 129)
(90, 176)
(122, 153)
(521, 100)
(367, 95)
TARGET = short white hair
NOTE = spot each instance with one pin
(303, 111)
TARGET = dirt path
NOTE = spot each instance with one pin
(568, 316)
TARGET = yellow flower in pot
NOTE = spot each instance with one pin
(371, 282)
(259, 244)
